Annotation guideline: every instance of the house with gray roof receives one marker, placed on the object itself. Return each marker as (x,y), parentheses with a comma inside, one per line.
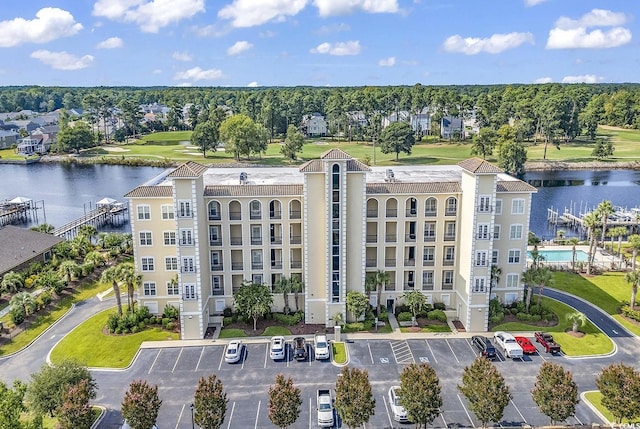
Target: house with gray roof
(20,247)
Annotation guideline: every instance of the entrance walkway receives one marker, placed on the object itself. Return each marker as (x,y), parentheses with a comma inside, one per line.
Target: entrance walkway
(393,322)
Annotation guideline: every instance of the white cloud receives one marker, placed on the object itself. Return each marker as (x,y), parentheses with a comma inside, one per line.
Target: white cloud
(346,7)
(149,15)
(195,74)
(182,56)
(249,13)
(209,31)
(49,24)
(333,28)
(574,33)
(529,3)
(387,62)
(110,43)
(239,47)
(253,84)
(543,80)
(351,47)
(585,78)
(62,60)
(156,71)
(492,45)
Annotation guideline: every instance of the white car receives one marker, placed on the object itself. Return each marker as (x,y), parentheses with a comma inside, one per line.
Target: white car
(508,344)
(276,351)
(399,413)
(322,347)
(234,351)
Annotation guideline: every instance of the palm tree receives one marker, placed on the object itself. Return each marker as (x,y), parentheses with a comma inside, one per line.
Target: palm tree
(382,278)
(88,231)
(619,231)
(95,257)
(127,274)
(111,275)
(530,278)
(43,227)
(605,208)
(591,220)
(496,272)
(370,285)
(577,319)
(25,301)
(573,241)
(297,287)
(633,278)
(544,278)
(68,270)
(11,282)
(283,286)
(634,242)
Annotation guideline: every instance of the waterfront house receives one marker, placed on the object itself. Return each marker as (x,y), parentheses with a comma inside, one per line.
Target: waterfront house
(20,247)
(8,139)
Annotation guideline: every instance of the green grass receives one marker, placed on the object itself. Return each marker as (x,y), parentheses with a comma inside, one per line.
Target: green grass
(593,343)
(43,322)
(231,333)
(339,352)
(595,397)
(89,345)
(606,291)
(271,331)
(167,136)
(634,329)
(49,422)
(431,328)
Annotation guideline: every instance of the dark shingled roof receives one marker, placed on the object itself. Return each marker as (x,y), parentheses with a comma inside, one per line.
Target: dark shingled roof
(151,192)
(514,186)
(479,166)
(19,245)
(189,169)
(252,190)
(413,188)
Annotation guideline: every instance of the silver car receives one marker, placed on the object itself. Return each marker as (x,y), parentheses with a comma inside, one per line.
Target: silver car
(276,351)
(399,413)
(234,351)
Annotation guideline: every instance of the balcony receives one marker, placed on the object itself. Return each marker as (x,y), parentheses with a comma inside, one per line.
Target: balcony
(277,265)
(235,215)
(276,240)
(372,238)
(427,286)
(449,237)
(296,264)
(429,237)
(410,237)
(275,214)
(411,213)
(295,214)
(235,241)
(390,238)
(237,265)
(372,213)
(451,212)
(371,263)
(256,265)
(295,239)
(430,213)
(448,262)
(392,212)
(256,240)
(215,242)
(389,262)
(409,286)
(390,287)
(409,262)
(253,215)
(218,291)
(215,216)
(217,267)
(447,286)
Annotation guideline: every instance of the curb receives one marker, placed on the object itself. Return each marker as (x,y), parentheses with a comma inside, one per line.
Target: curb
(346,351)
(593,408)
(103,412)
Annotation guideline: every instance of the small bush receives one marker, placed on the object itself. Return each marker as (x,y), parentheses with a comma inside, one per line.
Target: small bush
(288,319)
(353,327)
(17,315)
(171,312)
(227,320)
(437,315)
(227,312)
(525,317)
(405,316)
(536,318)
(384,316)
(401,308)
(170,326)
(439,306)
(496,318)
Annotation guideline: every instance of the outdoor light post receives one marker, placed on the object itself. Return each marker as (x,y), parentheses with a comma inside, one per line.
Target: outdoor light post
(193,424)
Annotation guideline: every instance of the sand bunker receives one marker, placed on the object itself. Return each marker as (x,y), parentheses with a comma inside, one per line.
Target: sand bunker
(114,149)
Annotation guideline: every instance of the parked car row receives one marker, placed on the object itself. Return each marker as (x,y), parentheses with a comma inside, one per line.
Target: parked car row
(278,349)
(513,347)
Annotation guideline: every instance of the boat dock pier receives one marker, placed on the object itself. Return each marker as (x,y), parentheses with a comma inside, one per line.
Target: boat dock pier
(629,218)
(18,210)
(106,211)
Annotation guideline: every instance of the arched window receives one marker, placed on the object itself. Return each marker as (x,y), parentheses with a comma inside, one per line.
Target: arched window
(431,207)
(255,210)
(452,206)
(214,210)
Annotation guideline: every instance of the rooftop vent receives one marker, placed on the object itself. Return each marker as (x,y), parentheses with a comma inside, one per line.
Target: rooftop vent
(389,176)
(243,178)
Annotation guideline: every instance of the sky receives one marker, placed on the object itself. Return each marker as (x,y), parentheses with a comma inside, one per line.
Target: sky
(261,43)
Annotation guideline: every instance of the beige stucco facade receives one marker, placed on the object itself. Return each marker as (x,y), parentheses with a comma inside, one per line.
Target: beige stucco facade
(201,232)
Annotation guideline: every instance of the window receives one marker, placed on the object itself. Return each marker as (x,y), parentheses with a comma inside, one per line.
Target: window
(214,235)
(447,279)
(188,265)
(169,238)
(173,288)
(256,259)
(449,254)
(496,232)
(515,232)
(429,231)
(478,285)
(216,285)
(215,259)
(485,204)
(167,212)
(147,264)
(257,279)
(494,257)
(427,280)
(256,234)
(144,212)
(449,230)
(513,280)
(189,292)
(483,231)
(145,238)
(514,256)
(429,255)
(171,263)
(431,207)
(214,210)
(186,237)
(481,258)
(498,207)
(517,206)
(255,210)
(149,288)
(184,208)
(335,232)
(452,206)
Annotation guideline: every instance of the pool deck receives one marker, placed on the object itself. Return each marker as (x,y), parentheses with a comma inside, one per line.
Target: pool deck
(602,258)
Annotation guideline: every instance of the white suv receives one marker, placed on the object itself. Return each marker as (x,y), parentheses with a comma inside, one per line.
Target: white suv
(276,351)
(322,347)
(399,413)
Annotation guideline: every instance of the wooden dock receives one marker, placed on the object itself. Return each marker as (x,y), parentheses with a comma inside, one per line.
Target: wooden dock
(567,219)
(17,212)
(97,217)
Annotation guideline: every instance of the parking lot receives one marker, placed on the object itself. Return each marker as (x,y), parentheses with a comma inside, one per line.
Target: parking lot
(177,370)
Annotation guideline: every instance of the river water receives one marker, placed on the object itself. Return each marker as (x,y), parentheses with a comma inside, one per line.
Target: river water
(68,190)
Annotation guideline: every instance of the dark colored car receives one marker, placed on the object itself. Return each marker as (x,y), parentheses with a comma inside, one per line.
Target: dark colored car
(299,348)
(484,346)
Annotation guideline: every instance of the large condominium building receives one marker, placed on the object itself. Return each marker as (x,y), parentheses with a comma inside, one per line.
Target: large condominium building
(200,232)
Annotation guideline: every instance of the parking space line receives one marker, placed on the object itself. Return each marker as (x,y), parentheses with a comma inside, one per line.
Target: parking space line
(443,420)
(402,352)
(384,401)
(154,361)
(521,416)
(432,355)
(286,353)
(450,348)
(370,354)
(199,359)
(539,354)
(257,414)
(244,355)
(266,356)
(576,417)
(180,416)
(465,410)
(310,413)
(233,407)
(471,346)
(178,359)
(224,352)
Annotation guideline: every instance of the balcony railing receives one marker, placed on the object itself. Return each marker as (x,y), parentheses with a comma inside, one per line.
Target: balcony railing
(430,213)
(276,265)
(450,212)
(428,262)
(256,265)
(219,291)
(372,213)
(389,262)
(237,265)
(449,237)
(235,215)
(215,242)
(411,213)
(447,286)
(429,237)
(390,238)
(409,262)
(409,286)
(392,212)
(256,240)
(217,267)
(255,215)
(371,262)
(295,214)
(215,216)
(448,262)
(276,240)
(296,264)
(410,237)
(390,286)
(427,286)
(295,239)
(235,241)
(372,238)
(275,214)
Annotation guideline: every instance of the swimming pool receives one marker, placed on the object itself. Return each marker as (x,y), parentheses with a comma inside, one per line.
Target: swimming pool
(561,255)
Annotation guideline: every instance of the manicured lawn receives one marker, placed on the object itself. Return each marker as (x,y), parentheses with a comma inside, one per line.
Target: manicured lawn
(339,352)
(606,291)
(431,328)
(231,333)
(167,136)
(49,422)
(271,331)
(595,342)
(89,345)
(595,397)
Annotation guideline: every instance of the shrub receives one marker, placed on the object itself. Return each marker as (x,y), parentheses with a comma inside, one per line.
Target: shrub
(170,326)
(496,318)
(171,312)
(439,306)
(227,312)
(143,313)
(401,308)
(536,318)
(227,320)
(17,315)
(384,316)
(288,319)
(112,322)
(405,316)
(437,315)
(630,313)
(525,317)
(353,327)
